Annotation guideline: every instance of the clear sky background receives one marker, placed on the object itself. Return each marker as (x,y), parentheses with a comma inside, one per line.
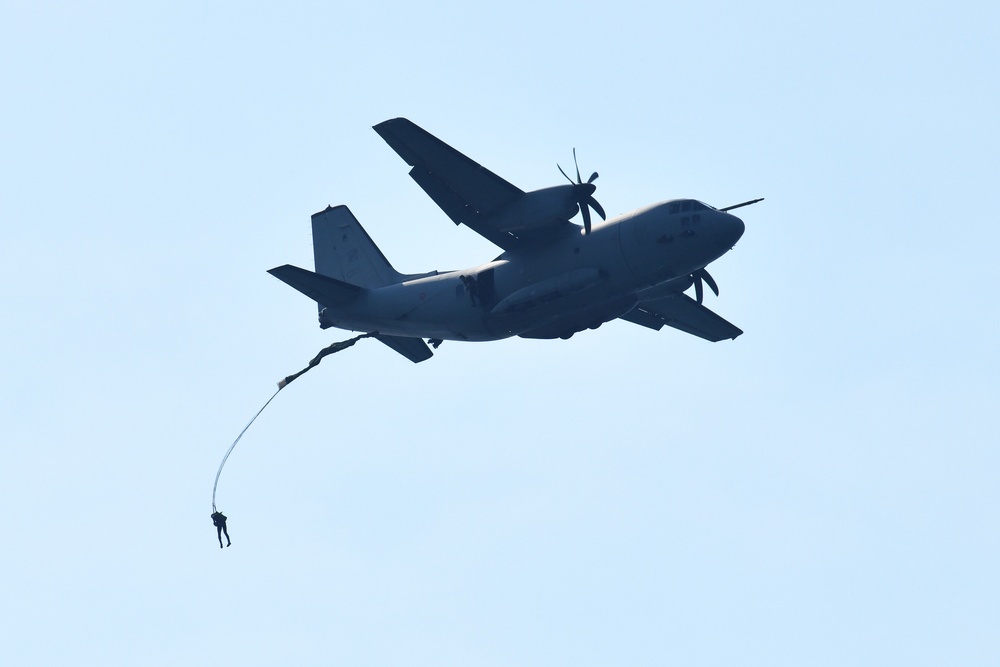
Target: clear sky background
(821,491)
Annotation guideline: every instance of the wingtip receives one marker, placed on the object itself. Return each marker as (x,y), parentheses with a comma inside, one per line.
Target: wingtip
(388,122)
(279,269)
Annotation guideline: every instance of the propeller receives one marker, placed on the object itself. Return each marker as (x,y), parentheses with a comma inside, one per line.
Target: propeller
(699,292)
(583,193)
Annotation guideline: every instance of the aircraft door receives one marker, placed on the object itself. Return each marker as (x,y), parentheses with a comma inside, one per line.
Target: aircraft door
(486,288)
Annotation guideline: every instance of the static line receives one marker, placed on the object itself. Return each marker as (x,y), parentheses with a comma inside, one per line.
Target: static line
(335,347)
(233,446)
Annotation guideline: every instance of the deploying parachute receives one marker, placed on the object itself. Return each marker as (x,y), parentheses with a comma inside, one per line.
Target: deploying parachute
(335,347)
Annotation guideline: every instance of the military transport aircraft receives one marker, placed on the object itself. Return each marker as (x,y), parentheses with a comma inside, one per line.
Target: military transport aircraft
(553,279)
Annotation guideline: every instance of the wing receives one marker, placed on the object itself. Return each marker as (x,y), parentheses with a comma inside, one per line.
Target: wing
(466,191)
(682,312)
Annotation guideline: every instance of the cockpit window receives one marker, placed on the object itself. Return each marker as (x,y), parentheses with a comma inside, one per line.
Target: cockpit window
(688,205)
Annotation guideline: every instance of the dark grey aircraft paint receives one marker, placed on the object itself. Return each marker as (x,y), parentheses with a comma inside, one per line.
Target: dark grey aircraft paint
(553,278)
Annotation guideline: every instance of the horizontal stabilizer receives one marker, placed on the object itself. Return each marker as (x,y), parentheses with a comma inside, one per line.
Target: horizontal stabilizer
(321,289)
(414,349)
(684,313)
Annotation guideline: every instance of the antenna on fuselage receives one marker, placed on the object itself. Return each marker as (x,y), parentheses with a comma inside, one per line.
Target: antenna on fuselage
(746,203)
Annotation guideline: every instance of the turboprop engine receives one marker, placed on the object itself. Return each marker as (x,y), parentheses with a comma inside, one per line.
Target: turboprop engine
(541,208)
(536,209)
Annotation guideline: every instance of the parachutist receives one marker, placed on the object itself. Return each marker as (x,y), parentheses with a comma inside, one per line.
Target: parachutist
(219,519)
(471,287)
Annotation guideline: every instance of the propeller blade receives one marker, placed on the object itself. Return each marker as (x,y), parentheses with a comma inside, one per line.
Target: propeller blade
(711,281)
(597,207)
(564,174)
(699,291)
(583,194)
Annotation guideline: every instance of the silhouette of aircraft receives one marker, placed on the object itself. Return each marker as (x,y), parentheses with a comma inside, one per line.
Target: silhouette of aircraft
(553,279)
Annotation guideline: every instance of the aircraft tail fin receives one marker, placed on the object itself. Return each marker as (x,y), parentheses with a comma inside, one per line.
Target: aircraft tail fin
(343,250)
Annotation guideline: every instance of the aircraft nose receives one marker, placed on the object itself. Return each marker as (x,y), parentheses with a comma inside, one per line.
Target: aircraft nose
(731,229)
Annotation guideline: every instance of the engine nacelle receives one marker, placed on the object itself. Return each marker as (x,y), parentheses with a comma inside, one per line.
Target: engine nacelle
(538,208)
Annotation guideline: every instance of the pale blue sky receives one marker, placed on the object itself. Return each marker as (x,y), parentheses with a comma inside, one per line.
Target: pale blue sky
(821,491)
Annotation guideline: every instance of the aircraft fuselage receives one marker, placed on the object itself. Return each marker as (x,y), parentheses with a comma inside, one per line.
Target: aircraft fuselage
(575,282)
